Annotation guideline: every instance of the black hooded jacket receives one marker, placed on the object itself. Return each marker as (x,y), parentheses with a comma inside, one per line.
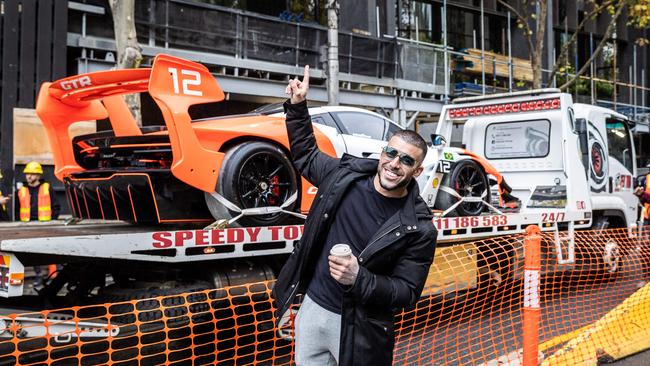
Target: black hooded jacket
(392,268)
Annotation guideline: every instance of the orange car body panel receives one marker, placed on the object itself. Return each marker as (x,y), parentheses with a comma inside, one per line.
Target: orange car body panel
(118,110)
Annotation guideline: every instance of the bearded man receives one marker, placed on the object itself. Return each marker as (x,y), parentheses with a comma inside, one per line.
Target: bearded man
(374,206)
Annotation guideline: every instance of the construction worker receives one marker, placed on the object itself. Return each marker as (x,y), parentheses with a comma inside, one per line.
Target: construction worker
(643,192)
(37,202)
(35,196)
(4,200)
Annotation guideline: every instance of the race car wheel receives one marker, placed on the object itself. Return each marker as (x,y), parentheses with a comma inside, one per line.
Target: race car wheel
(468,180)
(256,174)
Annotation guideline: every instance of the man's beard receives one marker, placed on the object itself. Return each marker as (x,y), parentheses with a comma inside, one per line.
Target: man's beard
(399,185)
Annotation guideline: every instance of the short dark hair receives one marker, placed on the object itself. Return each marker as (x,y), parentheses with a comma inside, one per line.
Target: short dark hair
(413,138)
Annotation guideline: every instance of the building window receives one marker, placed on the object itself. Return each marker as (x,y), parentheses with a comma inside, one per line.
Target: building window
(416,20)
(291,10)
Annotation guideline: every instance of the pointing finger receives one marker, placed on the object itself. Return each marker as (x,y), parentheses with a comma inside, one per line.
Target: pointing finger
(305,78)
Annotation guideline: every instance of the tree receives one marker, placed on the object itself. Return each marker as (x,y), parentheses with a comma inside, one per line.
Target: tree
(527,12)
(639,17)
(129,52)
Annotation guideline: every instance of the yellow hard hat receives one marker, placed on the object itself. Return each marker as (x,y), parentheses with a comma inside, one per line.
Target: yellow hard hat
(33,167)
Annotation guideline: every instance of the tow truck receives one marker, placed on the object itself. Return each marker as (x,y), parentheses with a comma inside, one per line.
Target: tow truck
(568,166)
(562,174)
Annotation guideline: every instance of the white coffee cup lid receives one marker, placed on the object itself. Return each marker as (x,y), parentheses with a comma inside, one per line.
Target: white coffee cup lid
(341,250)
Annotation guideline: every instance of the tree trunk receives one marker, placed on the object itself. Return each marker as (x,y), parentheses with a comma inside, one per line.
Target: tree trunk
(129,52)
(536,59)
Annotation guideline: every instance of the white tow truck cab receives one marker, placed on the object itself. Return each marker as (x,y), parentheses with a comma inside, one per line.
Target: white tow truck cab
(608,155)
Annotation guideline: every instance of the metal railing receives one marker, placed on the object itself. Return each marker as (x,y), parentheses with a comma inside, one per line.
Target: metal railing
(249,36)
(386,61)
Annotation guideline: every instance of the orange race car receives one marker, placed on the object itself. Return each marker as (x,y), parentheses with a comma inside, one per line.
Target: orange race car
(233,167)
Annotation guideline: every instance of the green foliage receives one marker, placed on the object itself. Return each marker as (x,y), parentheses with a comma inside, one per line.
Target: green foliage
(604,89)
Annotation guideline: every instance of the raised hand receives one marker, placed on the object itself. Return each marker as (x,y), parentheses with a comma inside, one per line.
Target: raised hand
(297,90)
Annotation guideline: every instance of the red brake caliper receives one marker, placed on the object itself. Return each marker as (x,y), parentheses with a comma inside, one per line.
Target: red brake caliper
(276,189)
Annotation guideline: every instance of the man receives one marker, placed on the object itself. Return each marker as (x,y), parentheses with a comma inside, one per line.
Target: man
(37,202)
(374,206)
(643,192)
(35,197)
(4,200)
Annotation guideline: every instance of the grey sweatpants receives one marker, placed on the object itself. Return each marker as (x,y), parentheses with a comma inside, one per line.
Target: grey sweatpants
(318,335)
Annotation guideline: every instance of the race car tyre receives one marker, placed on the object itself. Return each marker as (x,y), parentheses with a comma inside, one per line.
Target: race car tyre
(255,174)
(468,180)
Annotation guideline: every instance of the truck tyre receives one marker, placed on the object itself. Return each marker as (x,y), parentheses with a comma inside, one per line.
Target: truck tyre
(606,260)
(255,174)
(468,180)
(496,281)
(150,309)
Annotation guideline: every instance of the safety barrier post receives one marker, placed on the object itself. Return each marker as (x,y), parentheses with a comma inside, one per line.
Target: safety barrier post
(531,309)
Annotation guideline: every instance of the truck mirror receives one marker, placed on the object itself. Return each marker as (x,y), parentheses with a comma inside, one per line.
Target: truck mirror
(580,125)
(581,129)
(438,140)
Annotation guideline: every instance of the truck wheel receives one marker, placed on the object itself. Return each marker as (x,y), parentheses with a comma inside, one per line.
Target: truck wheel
(149,309)
(604,257)
(496,272)
(468,180)
(255,174)
(611,259)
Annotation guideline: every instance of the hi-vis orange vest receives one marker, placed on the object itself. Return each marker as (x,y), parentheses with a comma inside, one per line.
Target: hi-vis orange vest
(646,205)
(44,203)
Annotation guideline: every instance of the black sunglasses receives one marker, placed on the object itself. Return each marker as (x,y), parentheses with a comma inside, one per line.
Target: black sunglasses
(392,153)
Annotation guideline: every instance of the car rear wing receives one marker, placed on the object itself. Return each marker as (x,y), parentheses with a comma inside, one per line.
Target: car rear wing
(174,83)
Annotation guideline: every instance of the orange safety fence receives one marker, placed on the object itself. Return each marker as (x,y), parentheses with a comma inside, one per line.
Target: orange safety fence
(471,313)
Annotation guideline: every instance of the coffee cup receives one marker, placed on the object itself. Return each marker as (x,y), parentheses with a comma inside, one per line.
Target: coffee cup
(341,250)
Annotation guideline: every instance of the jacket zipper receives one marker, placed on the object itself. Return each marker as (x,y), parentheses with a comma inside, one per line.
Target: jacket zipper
(376,240)
(291,296)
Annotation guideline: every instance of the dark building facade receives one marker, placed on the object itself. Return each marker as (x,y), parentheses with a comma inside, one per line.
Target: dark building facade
(392,53)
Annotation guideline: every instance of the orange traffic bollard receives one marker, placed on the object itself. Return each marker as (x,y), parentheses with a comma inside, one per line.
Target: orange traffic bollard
(531,309)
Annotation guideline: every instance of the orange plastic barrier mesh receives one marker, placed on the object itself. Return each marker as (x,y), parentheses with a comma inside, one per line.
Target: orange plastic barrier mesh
(470,313)
(231,326)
